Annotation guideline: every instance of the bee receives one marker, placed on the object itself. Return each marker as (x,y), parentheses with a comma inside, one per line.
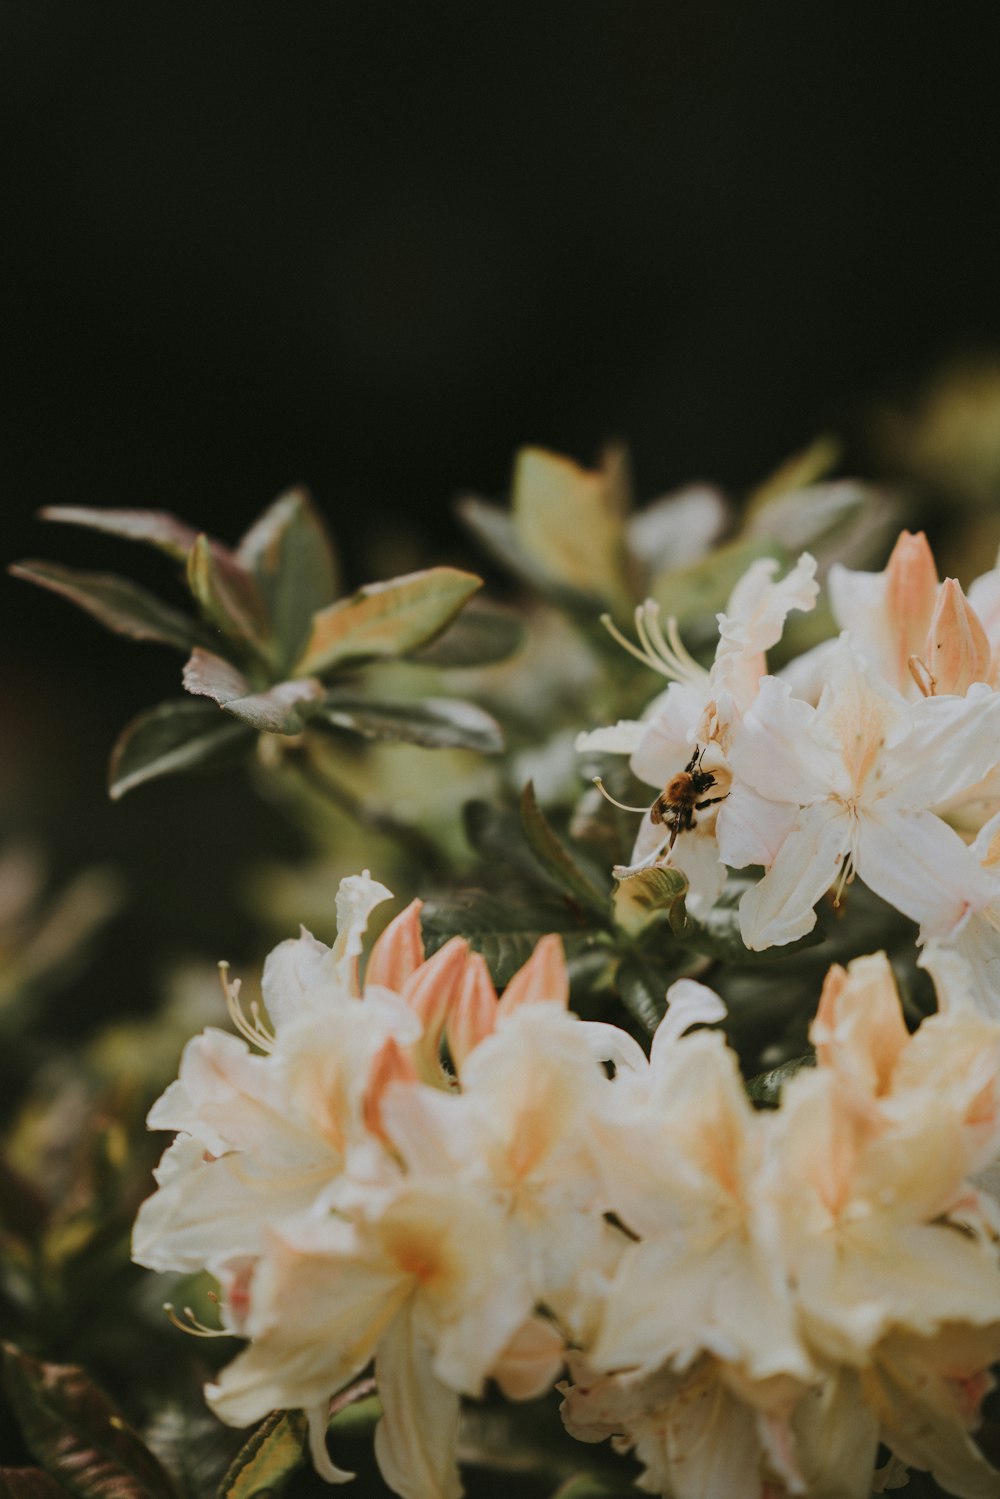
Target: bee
(680,799)
(683,796)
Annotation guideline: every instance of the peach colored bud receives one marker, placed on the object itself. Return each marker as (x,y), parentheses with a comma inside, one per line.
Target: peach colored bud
(859,1027)
(543,977)
(399,951)
(474,1014)
(910,590)
(956,652)
(431,993)
(391,1065)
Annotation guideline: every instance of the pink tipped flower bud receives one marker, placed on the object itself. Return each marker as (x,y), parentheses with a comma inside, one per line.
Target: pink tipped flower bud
(956,652)
(431,993)
(543,977)
(399,951)
(474,1015)
(911,587)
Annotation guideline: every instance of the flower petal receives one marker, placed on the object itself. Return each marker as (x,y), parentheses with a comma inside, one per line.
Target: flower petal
(951,744)
(921,866)
(780,908)
(415,1440)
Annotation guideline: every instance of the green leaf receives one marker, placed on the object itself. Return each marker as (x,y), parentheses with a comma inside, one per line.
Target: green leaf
(700,591)
(591,1486)
(227,594)
(764,1090)
(555,859)
(642,987)
(386,619)
(77,1435)
(117,603)
(504,932)
(797,471)
(268,1459)
(194,1447)
(289,551)
(156,528)
(175,736)
(435,722)
(480,636)
(29,1483)
(650,895)
(282,709)
(570,520)
(493,527)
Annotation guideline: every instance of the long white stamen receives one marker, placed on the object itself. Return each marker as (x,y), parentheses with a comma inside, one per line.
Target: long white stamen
(627,645)
(613,800)
(192,1326)
(846,876)
(666,655)
(253,1030)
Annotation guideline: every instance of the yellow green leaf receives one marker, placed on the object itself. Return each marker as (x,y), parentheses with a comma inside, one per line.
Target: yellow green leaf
(386,619)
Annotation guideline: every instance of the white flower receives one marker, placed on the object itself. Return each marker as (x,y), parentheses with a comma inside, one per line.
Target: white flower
(701,708)
(848,786)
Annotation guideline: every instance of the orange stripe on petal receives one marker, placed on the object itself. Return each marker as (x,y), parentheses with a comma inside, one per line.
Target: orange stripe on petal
(474,1015)
(391,1065)
(543,977)
(399,951)
(910,590)
(431,992)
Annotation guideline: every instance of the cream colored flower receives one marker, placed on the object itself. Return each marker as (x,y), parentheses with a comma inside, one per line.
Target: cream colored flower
(847,786)
(701,708)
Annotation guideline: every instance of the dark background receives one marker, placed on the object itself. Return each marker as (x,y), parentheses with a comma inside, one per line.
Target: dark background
(376,247)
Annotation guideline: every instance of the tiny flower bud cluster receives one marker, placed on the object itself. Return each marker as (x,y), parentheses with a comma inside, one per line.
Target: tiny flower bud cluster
(459,1187)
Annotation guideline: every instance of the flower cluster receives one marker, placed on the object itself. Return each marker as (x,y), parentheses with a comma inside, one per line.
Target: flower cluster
(463,1187)
(874,754)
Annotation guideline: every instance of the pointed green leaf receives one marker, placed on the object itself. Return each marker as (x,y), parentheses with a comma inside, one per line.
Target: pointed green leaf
(117,603)
(570,520)
(227,594)
(29,1483)
(435,722)
(504,932)
(700,591)
(386,619)
(494,529)
(480,636)
(642,988)
(764,1090)
(267,1460)
(77,1435)
(282,709)
(156,528)
(804,467)
(289,551)
(652,894)
(175,736)
(555,859)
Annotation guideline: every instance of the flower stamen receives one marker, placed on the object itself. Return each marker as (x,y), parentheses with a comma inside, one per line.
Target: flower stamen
(193,1327)
(614,800)
(667,655)
(253,1030)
